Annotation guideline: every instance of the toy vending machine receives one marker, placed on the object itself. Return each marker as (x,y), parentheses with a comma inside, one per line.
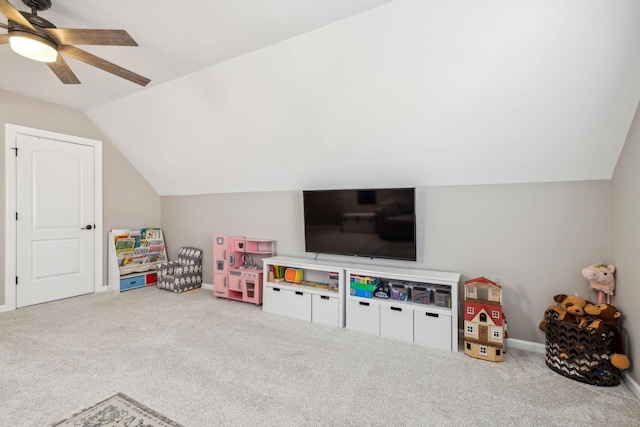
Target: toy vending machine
(224,258)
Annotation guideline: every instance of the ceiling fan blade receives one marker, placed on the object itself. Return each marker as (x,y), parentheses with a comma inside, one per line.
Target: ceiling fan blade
(62,70)
(91,37)
(4,38)
(14,14)
(107,66)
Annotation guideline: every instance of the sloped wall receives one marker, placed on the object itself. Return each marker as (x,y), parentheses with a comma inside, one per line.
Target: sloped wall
(128,200)
(412,92)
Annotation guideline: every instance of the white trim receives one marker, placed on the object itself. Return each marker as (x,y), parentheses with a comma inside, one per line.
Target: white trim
(631,384)
(11,133)
(207,286)
(525,345)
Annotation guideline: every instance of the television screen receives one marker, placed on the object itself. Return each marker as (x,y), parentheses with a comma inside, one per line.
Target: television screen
(373,223)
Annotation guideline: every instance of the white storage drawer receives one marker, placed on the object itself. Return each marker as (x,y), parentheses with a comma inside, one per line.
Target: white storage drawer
(432,329)
(274,300)
(287,302)
(363,316)
(299,305)
(325,309)
(396,321)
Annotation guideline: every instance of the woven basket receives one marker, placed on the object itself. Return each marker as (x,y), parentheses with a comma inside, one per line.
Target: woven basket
(578,353)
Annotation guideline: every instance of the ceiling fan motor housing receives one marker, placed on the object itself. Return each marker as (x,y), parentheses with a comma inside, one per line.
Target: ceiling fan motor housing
(37,5)
(33,20)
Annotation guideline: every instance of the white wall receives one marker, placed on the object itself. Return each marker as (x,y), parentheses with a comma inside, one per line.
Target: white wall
(625,249)
(533,238)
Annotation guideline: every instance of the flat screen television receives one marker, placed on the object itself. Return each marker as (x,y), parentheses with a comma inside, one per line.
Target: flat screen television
(372,223)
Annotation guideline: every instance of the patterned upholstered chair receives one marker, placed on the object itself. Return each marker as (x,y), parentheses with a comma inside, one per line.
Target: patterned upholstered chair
(184,274)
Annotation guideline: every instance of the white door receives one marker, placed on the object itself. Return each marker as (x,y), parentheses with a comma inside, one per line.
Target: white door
(55,228)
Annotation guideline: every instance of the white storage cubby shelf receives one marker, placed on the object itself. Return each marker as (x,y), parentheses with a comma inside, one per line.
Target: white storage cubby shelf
(303,300)
(425,324)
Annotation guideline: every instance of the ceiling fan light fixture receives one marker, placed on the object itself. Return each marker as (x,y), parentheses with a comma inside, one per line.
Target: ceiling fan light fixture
(33,46)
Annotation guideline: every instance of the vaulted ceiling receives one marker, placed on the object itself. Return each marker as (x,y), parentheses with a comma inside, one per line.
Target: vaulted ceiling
(175,38)
(258,95)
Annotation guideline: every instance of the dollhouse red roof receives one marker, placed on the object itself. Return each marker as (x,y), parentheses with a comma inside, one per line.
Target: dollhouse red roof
(488,308)
(482,279)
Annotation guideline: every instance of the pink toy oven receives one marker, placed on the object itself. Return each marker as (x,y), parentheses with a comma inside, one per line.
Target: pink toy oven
(235,273)
(252,285)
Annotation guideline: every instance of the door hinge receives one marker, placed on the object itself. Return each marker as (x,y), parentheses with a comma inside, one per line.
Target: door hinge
(15,148)
(16,216)
(16,280)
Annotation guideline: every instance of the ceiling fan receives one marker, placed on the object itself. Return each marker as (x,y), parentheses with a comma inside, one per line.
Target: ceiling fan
(36,38)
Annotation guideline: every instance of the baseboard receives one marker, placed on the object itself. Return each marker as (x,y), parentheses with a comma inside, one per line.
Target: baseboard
(525,345)
(207,286)
(631,384)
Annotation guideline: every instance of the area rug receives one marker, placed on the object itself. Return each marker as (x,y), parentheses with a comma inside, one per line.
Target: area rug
(116,411)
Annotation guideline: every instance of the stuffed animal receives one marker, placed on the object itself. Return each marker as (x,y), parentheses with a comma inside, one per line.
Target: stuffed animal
(608,315)
(600,277)
(570,309)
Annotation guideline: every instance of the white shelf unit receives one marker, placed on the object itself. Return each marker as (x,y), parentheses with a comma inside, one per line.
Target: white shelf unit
(302,301)
(427,325)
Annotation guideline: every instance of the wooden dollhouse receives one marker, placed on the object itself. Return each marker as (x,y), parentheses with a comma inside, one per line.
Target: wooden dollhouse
(484,321)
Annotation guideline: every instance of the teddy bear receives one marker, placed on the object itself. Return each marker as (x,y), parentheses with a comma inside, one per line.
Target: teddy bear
(570,309)
(604,315)
(601,279)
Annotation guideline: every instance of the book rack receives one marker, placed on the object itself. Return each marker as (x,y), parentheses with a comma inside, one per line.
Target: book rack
(133,257)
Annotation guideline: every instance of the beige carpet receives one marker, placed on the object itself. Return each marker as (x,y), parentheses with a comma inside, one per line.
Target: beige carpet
(203,361)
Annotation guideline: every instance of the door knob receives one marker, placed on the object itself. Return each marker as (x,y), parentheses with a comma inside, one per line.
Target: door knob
(88,227)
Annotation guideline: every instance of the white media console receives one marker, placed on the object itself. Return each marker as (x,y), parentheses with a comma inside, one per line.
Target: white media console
(324,295)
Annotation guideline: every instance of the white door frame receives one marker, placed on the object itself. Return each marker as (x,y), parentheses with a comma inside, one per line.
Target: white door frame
(11,133)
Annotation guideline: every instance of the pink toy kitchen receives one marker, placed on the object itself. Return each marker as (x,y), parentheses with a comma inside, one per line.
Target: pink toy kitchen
(237,267)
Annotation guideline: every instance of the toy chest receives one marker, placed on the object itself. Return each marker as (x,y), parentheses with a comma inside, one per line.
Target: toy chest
(578,353)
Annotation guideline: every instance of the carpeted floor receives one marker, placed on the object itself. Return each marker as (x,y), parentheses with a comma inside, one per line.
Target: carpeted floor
(203,361)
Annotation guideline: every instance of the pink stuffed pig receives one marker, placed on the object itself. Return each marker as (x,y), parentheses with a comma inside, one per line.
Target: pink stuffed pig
(600,277)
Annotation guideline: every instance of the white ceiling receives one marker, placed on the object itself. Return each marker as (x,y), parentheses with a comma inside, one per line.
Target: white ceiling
(286,95)
(175,38)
